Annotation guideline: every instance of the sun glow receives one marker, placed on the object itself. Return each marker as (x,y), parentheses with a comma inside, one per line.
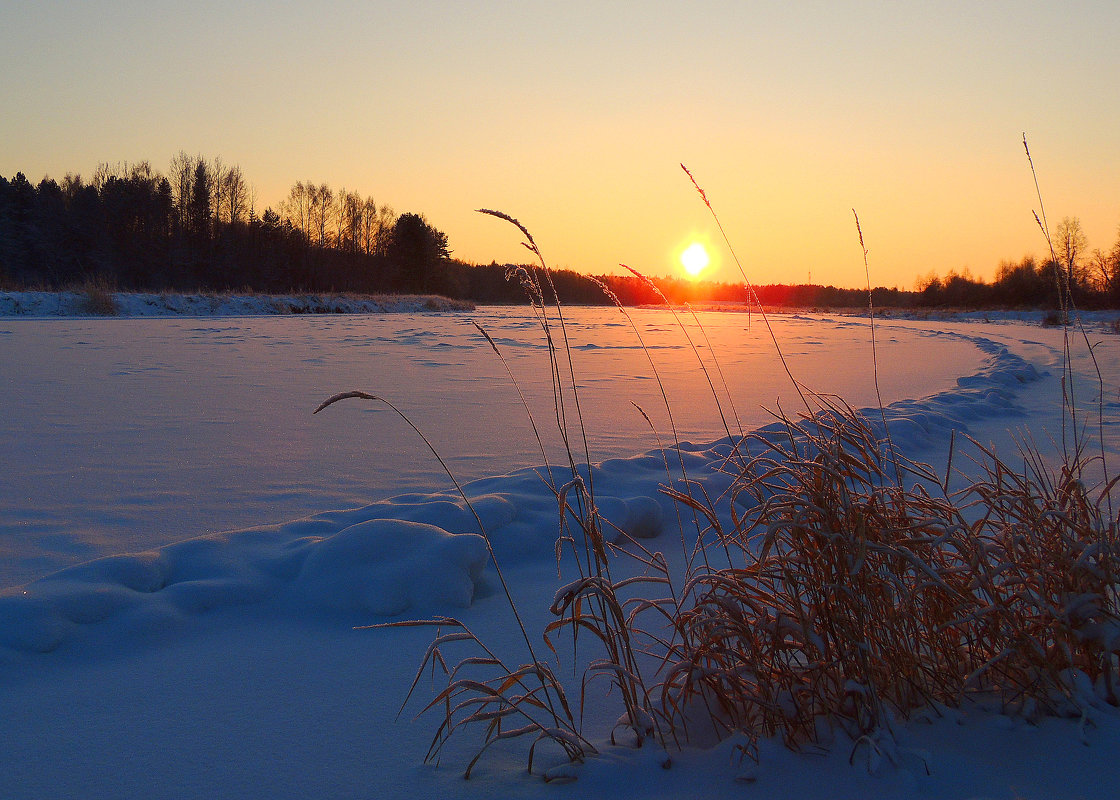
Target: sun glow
(695,259)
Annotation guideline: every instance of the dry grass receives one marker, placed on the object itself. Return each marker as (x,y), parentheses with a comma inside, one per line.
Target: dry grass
(505,703)
(98,297)
(857,600)
(1048,618)
(836,586)
(820,594)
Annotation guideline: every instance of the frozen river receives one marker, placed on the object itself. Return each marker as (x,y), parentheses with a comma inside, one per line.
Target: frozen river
(125,434)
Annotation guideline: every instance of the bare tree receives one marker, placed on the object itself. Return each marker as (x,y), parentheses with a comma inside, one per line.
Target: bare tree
(383,237)
(354,210)
(368,226)
(1100,270)
(217,174)
(71,185)
(296,208)
(338,213)
(322,212)
(347,207)
(1070,244)
(122,171)
(235,196)
(181,176)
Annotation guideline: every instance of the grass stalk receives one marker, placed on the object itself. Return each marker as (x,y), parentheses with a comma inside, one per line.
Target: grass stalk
(750,289)
(535,661)
(847,599)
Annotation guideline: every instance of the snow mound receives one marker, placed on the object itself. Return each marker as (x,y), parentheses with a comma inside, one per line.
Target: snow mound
(382,567)
(917,425)
(635,517)
(387,567)
(416,553)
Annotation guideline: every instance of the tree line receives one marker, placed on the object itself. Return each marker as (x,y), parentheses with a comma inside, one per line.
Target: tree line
(196,228)
(1073,275)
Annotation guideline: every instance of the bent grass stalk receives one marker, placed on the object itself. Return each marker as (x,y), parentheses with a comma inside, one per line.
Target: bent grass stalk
(874,349)
(664,399)
(848,599)
(750,288)
(563,729)
(1065,299)
(538,296)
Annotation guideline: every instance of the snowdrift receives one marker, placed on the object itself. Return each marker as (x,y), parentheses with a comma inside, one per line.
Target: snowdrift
(421,554)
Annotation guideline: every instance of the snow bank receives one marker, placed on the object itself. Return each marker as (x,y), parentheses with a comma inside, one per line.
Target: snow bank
(139,304)
(424,553)
(380,566)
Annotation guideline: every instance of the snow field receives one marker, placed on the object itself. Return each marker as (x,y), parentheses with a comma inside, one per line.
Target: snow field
(227,665)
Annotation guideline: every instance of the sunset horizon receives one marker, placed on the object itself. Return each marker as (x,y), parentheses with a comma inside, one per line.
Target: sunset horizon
(596,399)
(575,119)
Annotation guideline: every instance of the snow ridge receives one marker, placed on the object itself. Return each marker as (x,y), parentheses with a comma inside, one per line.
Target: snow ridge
(420,553)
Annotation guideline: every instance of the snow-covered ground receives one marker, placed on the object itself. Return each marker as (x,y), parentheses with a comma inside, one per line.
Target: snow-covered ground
(127,434)
(229,665)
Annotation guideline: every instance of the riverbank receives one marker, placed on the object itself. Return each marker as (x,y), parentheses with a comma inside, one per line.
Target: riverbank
(97,302)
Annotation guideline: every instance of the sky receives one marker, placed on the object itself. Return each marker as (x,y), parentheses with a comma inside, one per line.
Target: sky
(574,117)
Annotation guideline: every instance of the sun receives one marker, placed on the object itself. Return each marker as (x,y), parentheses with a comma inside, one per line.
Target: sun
(695,259)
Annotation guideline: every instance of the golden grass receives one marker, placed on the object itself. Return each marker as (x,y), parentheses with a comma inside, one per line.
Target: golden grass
(856,600)
(836,586)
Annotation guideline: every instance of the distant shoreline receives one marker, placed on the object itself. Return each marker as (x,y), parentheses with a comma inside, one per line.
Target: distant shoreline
(102,303)
(94,302)
(1110,319)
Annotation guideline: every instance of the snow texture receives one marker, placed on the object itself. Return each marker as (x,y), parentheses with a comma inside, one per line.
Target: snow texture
(227,665)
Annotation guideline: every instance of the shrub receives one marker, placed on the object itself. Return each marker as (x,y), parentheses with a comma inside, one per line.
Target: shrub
(98,298)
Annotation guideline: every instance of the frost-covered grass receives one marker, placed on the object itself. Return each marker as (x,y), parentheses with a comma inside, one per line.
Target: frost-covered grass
(852,600)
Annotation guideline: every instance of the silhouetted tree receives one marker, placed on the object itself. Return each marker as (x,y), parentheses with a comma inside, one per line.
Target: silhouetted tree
(322,204)
(234,207)
(296,207)
(200,202)
(1069,245)
(196,227)
(181,178)
(1114,271)
(1022,284)
(417,250)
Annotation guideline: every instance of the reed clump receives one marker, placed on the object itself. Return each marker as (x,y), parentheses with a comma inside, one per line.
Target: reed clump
(97,297)
(855,600)
(833,588)
(1048,576)
(838,603)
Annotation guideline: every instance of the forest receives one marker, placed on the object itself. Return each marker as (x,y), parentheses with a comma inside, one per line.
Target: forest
(196,228)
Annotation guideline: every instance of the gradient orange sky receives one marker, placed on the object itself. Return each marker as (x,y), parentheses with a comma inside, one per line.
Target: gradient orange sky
(573,117)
